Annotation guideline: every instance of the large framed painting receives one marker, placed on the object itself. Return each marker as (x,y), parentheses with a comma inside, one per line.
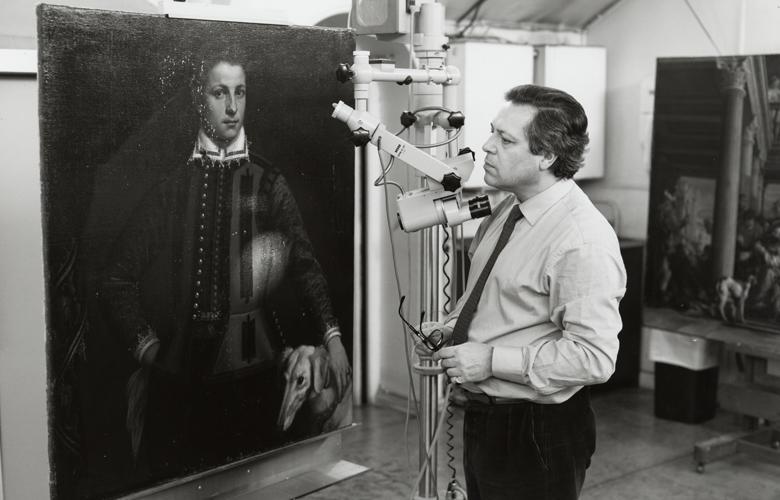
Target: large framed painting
(714,225)
(198,238)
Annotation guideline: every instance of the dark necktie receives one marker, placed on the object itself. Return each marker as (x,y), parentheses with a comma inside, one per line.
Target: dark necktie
(460,332)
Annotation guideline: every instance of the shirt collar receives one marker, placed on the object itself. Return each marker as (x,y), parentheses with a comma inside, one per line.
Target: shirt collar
(534,207)
(235,150)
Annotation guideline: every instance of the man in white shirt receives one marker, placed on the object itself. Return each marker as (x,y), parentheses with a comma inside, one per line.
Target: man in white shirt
(539,318)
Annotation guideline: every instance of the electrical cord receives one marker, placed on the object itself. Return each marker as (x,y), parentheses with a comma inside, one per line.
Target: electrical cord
(398,290)
(434,442)
(409,353)
(475,8)
(447,415)
(450,440)
(446,286)
(446,307)
(382,181)
(469,10)
(408,350)
(441,143)
(433,346)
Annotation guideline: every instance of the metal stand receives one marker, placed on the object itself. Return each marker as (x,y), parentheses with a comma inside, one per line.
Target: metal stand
(433,85)
(764,443)
(429,372)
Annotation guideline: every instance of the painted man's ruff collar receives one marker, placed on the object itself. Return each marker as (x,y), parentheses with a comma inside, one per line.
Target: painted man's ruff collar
(236,150)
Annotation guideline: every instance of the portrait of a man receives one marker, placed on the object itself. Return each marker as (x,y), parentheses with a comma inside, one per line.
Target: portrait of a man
(209,287)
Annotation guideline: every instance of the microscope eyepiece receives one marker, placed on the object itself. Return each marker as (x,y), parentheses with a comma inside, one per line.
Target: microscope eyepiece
(479,206)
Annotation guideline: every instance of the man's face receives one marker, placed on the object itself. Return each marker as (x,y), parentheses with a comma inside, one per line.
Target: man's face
(509,163)
(224,102)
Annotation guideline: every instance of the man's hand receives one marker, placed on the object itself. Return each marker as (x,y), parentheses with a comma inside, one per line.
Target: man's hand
(320,369)
(436,332)
(340,364)
(469,362)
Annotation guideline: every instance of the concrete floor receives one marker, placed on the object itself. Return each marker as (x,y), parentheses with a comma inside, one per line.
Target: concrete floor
(638,457)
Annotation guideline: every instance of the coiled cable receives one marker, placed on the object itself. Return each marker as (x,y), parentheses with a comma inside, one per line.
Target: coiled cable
(446,307)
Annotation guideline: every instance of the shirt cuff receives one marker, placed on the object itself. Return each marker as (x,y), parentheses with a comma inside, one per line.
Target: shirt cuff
(144,342)
(331,334)
(510,363)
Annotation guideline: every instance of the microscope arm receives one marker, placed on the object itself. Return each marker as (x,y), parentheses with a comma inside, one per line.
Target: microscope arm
(366,128)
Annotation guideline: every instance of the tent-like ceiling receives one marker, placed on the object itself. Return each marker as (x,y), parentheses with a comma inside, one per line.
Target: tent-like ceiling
(563,13)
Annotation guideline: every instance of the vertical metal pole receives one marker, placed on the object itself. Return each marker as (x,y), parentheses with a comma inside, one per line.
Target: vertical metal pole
(429,382)
(433,250)
(427,369)
(429,47)
(361,92)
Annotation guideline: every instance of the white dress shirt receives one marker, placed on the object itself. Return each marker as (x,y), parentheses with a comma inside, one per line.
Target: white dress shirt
(550,304)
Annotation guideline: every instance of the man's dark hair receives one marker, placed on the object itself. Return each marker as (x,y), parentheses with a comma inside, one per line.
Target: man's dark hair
(559,126)
(211,56)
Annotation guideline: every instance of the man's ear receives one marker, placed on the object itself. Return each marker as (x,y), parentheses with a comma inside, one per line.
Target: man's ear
(547,161)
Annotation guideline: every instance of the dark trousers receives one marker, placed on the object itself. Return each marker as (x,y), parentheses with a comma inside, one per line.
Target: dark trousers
(528,451)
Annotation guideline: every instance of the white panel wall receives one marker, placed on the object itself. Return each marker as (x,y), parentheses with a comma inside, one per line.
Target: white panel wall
(488,71)
(635,34)
(582,72)
(23,424)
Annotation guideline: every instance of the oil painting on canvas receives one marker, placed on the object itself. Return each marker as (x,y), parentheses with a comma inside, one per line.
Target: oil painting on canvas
(198,238)
(714,226)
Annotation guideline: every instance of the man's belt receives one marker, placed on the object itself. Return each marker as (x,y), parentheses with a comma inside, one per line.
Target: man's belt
(482,398)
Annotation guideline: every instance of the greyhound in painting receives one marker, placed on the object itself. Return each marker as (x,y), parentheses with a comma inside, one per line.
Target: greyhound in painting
(732,295)
(309,383)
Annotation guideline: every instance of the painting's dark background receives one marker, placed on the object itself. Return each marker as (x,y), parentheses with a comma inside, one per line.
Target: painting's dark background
(115,112)
(687,147)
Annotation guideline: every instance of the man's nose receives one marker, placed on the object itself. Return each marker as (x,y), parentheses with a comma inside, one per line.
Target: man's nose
(488,146)
(230,105)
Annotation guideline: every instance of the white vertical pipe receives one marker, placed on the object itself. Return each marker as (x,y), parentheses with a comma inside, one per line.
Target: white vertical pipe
(373,302)
(430,54)
(361,104)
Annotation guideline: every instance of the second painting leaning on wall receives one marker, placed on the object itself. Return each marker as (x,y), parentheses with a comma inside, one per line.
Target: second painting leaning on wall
(714,226)
(198,222)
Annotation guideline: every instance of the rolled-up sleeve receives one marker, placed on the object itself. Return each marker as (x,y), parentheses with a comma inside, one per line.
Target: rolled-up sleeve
(586,284)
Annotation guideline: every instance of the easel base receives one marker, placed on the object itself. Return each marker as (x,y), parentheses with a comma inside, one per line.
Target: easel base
(764,443)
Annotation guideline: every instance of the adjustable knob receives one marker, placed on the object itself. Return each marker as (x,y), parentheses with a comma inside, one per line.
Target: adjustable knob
(343,73)
(450,182)
(408,118)
(360,137)
(406,81)
(456,119)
